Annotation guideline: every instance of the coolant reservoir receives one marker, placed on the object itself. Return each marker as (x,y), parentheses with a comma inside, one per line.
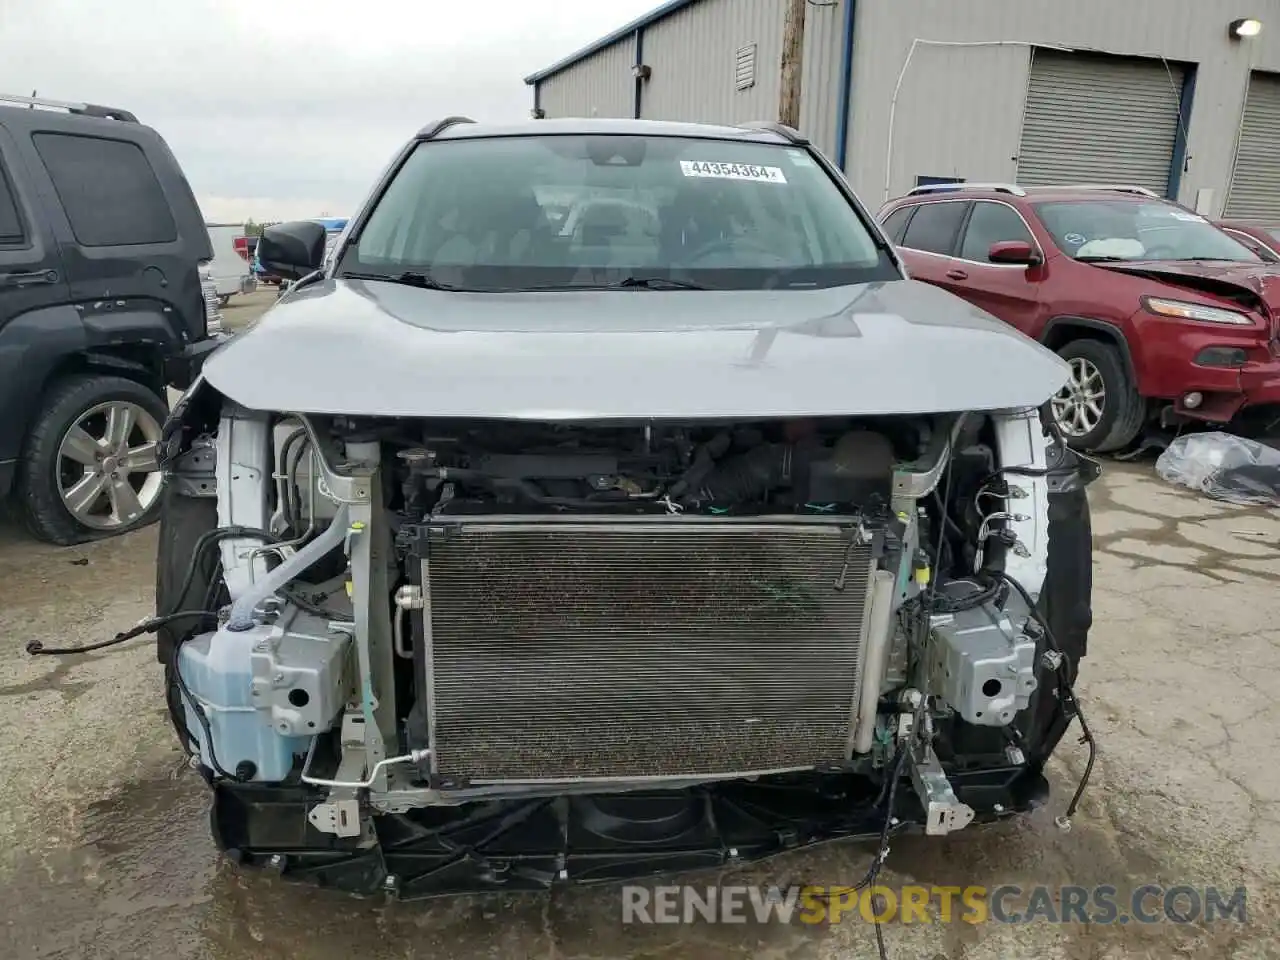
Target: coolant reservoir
(217,669)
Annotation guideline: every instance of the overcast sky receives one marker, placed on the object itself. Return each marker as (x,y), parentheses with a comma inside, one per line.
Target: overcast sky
(281,109)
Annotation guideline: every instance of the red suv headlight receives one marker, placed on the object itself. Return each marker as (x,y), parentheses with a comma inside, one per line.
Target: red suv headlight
(1181,310)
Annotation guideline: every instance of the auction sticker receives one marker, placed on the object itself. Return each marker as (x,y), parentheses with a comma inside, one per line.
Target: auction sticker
(732,171)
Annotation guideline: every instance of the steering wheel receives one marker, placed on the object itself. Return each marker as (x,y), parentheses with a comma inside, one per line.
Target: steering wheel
(725,244)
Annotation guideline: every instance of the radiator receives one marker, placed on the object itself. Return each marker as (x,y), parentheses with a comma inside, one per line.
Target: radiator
(655,648)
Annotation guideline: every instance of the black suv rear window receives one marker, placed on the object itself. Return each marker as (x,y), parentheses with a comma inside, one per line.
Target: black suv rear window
(10,221)
(108,190)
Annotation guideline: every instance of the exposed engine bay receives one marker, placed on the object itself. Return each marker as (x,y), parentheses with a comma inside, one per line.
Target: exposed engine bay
(511,652)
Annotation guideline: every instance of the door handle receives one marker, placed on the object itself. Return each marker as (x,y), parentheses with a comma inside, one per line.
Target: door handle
(957,275)
(21,279)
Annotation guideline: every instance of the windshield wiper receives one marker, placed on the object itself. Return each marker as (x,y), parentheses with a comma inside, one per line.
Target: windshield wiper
(1105,259)
(658,283)
(626,283)
(409,279)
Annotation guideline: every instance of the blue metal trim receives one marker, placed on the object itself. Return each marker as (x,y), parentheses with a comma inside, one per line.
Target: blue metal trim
(653,16)
(1178,164)
(846,83)
(639,62)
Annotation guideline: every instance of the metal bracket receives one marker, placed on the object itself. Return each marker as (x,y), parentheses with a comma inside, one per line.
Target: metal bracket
(944,813)
(192,472)
(338,817)
(340,814)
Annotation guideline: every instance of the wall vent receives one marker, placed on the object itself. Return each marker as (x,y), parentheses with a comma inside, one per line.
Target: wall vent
(744,73)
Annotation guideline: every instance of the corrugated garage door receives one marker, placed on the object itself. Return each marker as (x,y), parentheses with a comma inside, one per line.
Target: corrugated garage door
(1255,183)
(1099,119)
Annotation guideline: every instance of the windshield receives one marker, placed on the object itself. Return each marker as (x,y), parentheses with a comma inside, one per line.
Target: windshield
(510,213)
(1125,230)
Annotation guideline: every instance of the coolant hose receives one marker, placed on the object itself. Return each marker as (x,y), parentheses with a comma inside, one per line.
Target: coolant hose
(749,476)
(242,609)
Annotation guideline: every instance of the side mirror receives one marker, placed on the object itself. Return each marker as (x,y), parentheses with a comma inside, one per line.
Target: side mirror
(1013,251)
(292,250)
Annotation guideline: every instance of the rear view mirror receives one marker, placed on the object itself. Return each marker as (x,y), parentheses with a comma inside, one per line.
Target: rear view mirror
(292,250)
(1013,251)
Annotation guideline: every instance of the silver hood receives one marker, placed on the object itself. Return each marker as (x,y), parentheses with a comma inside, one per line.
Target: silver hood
(382,349)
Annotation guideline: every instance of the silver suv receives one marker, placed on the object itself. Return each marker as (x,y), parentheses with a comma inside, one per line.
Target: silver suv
(500,554)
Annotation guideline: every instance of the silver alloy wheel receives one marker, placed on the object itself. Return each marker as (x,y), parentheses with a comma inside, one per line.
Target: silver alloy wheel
(1079,404)
(108,474)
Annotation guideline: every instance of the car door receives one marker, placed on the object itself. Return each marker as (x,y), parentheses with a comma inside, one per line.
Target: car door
(1009,291)
(31,274)
(929,242)
(33,286)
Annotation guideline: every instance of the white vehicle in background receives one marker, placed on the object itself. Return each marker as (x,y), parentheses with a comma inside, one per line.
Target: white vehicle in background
(230,272)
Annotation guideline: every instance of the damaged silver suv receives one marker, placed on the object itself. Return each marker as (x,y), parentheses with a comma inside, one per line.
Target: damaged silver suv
(611,503)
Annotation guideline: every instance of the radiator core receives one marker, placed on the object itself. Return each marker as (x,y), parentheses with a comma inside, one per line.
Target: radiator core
(656,648)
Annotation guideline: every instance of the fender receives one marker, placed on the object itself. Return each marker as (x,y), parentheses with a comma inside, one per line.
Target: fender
(1052,337)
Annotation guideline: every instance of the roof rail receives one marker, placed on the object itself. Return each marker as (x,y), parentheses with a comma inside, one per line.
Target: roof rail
(82,109)
(1011,188)
(781,129)
(1112,187)
(439,126)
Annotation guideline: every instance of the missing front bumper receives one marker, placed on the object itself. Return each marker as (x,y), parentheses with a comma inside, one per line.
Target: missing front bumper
(531,845)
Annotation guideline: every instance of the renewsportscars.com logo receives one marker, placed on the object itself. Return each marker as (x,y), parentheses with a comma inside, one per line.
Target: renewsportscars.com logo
(1010,904)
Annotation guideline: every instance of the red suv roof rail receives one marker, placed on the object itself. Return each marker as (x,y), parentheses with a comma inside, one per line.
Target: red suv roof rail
(1011,188)
(1112,187)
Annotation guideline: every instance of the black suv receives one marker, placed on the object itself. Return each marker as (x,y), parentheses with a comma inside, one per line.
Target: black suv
(101,306)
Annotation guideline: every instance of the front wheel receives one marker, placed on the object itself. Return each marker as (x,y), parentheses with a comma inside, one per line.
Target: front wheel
(1098,409)
(90,468)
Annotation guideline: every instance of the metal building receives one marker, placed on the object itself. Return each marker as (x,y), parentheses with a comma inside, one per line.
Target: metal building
(1161,93)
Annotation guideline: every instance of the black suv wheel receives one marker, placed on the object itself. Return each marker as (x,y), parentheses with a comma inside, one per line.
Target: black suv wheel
(1099,408)
(89,468)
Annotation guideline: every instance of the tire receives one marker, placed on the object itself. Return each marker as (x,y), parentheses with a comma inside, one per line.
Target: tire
(183,521)
(224,299)
(39,491)
(1123,411)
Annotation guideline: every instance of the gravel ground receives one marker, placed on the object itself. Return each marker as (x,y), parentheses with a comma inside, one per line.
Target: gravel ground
(105,853)
(243,311)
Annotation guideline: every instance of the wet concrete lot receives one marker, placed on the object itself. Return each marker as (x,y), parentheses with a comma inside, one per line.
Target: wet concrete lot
(105,852)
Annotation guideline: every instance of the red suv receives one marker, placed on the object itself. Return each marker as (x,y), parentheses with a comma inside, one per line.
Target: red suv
(1158,312)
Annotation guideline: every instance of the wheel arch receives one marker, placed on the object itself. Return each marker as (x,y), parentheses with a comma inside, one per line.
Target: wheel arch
(141,363)
(44,346)
(129,362)
(1060,331)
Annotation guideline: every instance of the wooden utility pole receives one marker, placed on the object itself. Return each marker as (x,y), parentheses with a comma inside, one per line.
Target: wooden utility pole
(792,63)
